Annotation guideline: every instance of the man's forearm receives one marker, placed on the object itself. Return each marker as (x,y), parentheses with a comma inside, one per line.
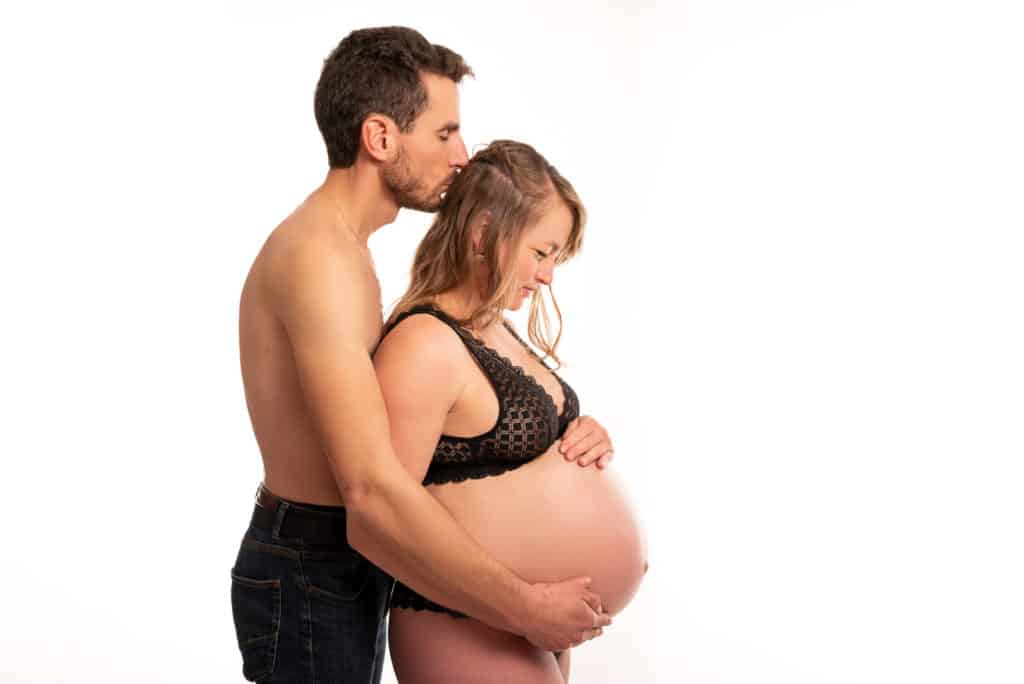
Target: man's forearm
(402,529)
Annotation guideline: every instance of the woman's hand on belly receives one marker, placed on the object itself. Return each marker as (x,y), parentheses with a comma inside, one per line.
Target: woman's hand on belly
(586,441)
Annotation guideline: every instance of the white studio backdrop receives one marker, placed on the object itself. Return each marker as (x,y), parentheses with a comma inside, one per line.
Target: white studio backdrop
(798,311)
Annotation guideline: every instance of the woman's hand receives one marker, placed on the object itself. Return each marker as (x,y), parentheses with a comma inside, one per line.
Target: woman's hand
(586,442)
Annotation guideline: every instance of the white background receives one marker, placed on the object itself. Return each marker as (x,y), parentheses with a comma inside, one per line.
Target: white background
(798,311)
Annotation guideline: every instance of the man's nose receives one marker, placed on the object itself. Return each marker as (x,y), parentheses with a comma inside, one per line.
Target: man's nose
(460,158)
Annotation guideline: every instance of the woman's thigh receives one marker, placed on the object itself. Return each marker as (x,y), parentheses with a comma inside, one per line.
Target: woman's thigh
(435,648)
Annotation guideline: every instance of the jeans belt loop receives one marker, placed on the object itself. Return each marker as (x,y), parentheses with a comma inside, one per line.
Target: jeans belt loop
(282,509)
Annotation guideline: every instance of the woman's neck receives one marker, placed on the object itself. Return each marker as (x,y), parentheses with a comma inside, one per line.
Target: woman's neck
(460,303)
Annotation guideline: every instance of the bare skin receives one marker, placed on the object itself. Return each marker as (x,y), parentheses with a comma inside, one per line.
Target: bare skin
(563,659)
(432,386)
(310,317)
(472,653)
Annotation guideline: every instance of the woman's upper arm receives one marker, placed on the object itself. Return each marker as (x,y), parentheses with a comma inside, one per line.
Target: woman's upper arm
(420,367)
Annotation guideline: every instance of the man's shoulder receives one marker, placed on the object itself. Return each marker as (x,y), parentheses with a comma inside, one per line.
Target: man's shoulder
(311,273)
(301,252)
(302,239)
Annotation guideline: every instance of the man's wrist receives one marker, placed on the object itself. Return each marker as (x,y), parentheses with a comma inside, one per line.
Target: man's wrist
(520,615)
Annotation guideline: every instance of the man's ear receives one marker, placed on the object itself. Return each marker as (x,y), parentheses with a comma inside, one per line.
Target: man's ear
(379,137)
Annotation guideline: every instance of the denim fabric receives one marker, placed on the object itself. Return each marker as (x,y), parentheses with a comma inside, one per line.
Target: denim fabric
(308,613)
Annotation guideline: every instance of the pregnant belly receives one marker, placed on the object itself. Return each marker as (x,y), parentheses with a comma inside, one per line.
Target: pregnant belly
(551,520)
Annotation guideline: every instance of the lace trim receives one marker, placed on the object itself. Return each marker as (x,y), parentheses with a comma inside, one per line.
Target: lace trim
(519,370)
(570,402)
(447,473)
(404,597)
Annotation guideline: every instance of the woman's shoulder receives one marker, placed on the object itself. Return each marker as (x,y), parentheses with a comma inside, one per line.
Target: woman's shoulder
(421,364)
(420,337)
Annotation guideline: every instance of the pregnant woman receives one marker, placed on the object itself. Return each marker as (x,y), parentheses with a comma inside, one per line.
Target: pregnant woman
(474,410)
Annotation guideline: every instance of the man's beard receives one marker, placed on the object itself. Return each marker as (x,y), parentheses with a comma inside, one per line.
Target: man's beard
(409,192)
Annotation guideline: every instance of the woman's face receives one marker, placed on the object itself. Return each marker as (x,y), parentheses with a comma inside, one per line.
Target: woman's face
(535,260)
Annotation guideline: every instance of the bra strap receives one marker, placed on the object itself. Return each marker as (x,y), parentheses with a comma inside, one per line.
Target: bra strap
(467,339)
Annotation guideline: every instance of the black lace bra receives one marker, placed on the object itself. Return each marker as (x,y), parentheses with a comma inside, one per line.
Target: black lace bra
(528,421)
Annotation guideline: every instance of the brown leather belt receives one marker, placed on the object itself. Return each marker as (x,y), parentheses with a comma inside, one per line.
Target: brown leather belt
(311,524)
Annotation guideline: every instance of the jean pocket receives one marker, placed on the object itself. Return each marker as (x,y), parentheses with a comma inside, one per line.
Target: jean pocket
(336,578)
(256,606)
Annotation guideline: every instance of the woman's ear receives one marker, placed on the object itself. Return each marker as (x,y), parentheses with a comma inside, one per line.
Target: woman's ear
(478,233)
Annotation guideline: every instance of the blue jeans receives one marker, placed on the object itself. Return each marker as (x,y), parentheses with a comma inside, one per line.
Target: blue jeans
(308,612)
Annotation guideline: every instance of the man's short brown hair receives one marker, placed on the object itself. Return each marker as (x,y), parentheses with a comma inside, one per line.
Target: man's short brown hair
(376,70)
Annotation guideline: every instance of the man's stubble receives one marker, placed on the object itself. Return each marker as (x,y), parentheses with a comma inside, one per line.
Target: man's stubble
(408,190)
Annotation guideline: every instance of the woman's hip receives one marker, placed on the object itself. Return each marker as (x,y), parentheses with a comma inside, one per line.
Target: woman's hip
(430,647)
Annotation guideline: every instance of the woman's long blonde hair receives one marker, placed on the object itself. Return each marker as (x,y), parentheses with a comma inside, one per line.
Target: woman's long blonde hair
(502,191)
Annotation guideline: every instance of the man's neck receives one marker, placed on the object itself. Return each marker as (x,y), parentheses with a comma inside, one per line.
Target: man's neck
(357,200)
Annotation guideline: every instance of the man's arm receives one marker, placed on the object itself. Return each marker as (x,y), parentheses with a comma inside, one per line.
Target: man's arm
(320,298)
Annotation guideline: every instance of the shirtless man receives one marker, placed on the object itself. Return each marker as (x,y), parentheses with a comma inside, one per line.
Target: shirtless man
(307,604)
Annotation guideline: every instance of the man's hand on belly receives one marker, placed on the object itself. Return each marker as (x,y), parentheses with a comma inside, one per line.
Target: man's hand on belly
(586,441)
(564,614)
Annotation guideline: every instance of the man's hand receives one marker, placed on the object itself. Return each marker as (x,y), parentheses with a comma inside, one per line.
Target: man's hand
(564,614)
(586,442)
